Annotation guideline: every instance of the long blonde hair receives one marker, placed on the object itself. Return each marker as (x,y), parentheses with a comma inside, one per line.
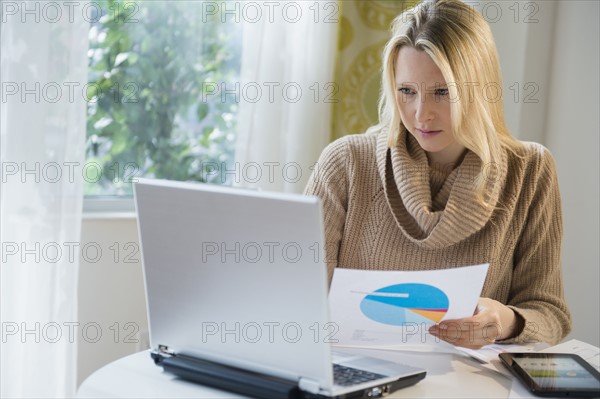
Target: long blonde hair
(460,43)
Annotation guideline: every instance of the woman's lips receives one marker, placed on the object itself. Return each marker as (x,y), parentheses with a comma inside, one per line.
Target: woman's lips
(428,133)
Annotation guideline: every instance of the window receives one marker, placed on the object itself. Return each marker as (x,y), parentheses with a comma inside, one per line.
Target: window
(154,69)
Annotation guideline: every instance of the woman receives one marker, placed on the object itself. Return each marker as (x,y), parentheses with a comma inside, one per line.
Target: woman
(441,183)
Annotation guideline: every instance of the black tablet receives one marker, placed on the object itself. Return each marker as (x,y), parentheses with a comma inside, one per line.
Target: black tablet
(554,374)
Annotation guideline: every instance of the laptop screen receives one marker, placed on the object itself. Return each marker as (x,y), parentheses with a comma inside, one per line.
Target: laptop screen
(236,276)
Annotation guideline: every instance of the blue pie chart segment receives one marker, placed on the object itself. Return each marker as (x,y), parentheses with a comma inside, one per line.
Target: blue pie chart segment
(405,303)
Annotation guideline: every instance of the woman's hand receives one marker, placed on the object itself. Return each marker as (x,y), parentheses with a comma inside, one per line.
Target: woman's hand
(491,322)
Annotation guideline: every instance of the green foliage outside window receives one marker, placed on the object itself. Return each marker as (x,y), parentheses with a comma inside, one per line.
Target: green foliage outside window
(150,66)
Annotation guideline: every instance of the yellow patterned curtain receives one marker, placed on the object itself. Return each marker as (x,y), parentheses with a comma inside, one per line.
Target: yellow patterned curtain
(364,28)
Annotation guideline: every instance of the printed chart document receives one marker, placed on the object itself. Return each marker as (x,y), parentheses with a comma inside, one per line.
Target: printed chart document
(394,309)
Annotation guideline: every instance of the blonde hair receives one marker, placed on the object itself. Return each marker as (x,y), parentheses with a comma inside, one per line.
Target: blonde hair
(460,43)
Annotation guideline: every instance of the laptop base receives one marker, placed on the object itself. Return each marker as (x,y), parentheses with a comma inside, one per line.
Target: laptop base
(258,385)
(227,378)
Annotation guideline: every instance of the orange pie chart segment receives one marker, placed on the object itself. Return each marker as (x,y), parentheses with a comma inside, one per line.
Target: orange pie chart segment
(433,315)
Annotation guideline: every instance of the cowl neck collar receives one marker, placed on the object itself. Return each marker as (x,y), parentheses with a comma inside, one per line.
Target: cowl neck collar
(405,174)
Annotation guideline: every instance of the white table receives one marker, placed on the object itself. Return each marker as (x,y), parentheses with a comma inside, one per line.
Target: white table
(448,375)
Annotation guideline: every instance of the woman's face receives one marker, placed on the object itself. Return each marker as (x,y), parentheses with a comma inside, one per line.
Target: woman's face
(424,106)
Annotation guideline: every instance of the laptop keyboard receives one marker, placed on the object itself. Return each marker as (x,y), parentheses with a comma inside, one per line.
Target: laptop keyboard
(346,376)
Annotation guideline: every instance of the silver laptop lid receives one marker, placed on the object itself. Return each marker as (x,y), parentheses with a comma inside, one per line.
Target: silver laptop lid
(236,276)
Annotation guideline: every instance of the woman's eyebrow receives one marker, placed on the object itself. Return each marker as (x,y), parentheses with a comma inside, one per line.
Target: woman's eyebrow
(435,86)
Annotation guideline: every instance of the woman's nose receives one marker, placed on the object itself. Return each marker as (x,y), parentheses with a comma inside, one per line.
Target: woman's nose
(425,109)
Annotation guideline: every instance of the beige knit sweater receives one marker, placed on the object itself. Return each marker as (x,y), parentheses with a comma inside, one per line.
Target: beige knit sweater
(387,209)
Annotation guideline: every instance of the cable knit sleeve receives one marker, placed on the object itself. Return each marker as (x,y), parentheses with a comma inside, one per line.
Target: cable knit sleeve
(537,286)
(329,182)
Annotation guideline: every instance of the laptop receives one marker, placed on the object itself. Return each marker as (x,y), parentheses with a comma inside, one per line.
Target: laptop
(236,287)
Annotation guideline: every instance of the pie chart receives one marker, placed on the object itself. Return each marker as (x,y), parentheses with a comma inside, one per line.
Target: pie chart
(400,304)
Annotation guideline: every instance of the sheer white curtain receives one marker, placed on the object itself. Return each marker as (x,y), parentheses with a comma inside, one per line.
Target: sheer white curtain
(288,59)
(42,133)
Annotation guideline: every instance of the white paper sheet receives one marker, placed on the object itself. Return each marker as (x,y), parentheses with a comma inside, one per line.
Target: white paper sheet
(488,355)
(588,352)
(391,308)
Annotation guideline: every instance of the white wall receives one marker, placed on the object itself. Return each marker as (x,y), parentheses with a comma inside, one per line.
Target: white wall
(572,132)
(559,54)
(111,293)
(522,33)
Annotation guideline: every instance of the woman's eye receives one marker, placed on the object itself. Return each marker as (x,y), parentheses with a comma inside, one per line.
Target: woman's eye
(441,92)
(405,90)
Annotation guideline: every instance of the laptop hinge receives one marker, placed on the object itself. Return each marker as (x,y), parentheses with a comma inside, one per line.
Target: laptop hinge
(164,349)
(308,385)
